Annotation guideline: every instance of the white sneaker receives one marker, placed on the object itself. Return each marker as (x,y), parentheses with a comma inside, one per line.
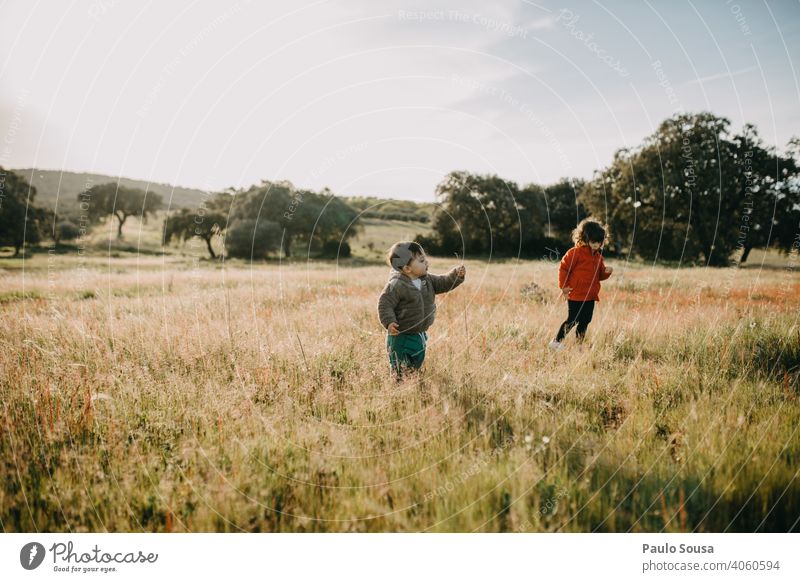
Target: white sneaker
(554,345)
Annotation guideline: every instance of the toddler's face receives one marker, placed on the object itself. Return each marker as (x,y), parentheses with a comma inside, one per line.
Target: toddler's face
(417,267)
(595,245)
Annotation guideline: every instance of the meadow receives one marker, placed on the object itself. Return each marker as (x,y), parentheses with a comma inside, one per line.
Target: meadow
(146,392)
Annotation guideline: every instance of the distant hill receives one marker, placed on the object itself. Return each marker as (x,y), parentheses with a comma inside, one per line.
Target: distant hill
(390,209)
(52,185)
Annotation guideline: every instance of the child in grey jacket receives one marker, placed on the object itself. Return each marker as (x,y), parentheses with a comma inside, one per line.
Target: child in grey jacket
(407,305)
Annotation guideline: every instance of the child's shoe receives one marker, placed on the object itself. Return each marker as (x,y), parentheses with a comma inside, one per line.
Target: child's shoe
(554,345)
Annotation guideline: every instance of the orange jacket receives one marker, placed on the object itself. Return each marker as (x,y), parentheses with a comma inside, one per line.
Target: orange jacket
(582,269)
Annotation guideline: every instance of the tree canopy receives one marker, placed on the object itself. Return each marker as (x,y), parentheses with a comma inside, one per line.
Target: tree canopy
(484,214)
(21,222)
(119,201)
(693,191)
(308,219)
(206,222)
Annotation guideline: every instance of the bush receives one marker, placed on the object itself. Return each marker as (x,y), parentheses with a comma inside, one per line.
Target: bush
(250,239)
(67,230)
(335,250)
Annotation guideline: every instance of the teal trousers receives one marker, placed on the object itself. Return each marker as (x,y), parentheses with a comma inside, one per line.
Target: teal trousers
(406,351)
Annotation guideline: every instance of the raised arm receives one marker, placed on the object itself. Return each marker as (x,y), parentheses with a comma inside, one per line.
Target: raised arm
(445,283)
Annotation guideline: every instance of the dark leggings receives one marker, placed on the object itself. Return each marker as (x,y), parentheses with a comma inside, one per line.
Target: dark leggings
(580,312)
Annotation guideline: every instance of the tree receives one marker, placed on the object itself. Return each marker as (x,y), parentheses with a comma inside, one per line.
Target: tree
(120,201)
(486,215)
(692,190)
(333,221)
(207,222)
(769,186)
(563,209)
(251,239)
(306,217)
(20,221)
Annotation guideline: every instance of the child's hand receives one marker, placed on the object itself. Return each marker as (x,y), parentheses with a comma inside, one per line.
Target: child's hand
(565,292)
(393,328)
(609,270)
(461,271)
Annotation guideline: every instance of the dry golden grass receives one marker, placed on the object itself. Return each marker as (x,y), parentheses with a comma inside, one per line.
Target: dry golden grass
(146,393)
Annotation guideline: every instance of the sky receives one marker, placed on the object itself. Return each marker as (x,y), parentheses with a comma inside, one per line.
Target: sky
(379,98)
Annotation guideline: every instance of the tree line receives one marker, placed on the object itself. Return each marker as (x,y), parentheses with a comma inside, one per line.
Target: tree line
(272,217)
(249,223)
(23,222)
(692,191)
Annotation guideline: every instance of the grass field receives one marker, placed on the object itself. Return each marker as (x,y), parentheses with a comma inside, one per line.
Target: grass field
(164,393)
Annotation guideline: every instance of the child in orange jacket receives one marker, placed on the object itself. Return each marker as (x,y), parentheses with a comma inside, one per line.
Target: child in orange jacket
(579,277)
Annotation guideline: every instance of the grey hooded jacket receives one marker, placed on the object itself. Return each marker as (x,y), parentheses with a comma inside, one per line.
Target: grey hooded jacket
(413,310)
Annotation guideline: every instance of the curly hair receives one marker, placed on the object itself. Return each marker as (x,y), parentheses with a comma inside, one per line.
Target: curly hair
(589,231)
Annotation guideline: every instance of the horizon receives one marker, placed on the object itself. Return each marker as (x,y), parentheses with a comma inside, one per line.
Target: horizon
(379,99)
